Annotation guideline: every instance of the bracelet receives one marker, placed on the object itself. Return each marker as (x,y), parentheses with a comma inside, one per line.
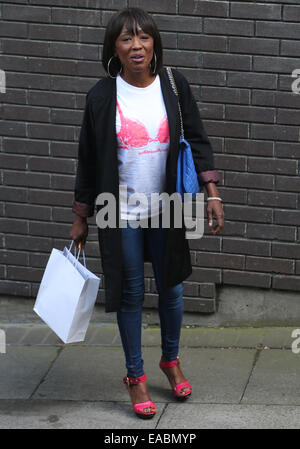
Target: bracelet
(214,198)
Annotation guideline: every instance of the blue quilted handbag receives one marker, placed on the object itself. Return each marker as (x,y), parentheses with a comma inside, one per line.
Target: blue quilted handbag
(187,179)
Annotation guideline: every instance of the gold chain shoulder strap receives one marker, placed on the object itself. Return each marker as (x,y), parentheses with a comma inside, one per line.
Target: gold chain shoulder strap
(174,87)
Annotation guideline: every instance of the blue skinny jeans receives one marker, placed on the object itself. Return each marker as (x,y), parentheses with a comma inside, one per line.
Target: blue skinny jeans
(170,305)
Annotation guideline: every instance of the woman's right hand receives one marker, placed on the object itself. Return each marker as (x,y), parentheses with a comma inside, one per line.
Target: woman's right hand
(79,230)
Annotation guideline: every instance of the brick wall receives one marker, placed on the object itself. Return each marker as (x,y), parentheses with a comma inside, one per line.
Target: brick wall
(238,57)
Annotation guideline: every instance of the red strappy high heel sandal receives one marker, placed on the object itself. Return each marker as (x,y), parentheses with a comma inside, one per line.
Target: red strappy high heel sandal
(181,385)
(138,408)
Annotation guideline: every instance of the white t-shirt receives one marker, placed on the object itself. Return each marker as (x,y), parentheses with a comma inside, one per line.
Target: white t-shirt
(143,142)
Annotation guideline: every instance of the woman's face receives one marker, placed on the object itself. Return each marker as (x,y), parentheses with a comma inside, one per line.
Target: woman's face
(135,51)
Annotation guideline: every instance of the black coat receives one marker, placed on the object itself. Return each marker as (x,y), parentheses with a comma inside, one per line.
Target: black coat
(97,172)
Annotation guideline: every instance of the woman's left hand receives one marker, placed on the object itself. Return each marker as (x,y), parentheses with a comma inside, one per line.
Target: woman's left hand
(214,208)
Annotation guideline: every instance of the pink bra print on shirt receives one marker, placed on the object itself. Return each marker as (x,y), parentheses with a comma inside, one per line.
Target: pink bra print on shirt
(133,134)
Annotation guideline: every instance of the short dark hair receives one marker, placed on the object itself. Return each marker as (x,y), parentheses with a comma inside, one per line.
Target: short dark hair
(131,17)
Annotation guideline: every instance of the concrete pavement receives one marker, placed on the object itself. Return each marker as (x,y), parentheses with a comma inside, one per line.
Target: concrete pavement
(242,377)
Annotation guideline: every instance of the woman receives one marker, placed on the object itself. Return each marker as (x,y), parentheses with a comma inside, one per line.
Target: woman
(130,137)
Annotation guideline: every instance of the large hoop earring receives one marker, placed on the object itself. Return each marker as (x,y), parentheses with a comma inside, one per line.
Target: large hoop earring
(109,74)
(155,61)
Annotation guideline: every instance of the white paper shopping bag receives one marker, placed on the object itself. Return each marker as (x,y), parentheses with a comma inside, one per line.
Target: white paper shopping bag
(67,295)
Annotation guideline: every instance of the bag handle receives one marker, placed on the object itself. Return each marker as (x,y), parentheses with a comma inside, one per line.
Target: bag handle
(174,87)
(79,246)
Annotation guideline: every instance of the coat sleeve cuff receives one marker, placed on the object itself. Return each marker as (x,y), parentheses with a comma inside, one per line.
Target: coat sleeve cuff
(83,209)
(209,176)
